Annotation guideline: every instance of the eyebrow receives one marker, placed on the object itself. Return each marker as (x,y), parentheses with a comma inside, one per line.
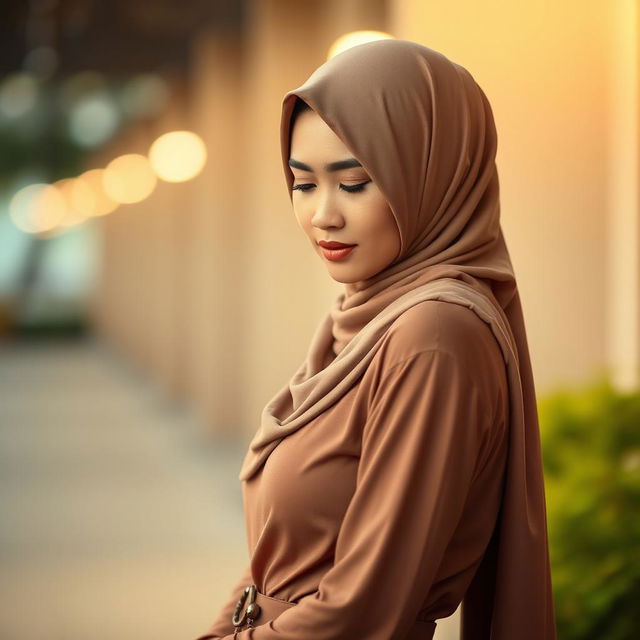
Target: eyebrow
(330,166)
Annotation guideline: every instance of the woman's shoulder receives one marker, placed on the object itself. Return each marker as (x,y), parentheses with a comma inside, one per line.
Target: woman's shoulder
(436,325)
(449,338)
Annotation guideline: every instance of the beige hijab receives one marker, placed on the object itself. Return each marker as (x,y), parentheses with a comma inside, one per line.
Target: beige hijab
(424,131)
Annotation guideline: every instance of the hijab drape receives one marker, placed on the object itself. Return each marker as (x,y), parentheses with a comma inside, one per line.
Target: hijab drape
(424,131)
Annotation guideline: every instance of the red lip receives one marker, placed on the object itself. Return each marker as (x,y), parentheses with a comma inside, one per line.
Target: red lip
(334,245)
(337,254)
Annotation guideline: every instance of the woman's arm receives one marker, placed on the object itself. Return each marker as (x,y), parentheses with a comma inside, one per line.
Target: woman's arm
(421,443)
(221,626)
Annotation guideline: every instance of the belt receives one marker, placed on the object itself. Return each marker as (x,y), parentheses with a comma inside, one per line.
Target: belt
(254,606)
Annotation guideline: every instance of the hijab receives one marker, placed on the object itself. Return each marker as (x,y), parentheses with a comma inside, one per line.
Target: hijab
(424,131)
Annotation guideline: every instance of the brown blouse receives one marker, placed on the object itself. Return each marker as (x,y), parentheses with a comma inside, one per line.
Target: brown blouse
(381,507)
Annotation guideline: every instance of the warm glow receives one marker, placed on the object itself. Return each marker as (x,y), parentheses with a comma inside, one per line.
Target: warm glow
(72,216)
(354,38)
(129,178)
(88,195)
(37,208)
(178,156)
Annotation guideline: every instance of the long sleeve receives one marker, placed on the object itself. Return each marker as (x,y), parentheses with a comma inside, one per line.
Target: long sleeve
(221,626)
(422,442)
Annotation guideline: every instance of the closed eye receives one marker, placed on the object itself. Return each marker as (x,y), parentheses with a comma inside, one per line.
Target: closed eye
(355,188)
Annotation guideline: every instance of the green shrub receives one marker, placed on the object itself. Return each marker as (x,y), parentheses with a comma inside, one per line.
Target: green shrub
(591,451)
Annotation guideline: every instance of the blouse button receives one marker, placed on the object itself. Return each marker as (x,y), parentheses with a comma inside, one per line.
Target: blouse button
(253,611)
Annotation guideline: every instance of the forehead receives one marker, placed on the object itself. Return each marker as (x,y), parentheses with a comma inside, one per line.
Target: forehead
(311,137)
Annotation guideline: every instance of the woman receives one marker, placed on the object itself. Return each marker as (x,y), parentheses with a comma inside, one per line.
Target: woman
(398,473)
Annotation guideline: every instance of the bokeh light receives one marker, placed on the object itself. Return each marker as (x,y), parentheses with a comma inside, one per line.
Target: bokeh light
(72,215)
(144,95)
(178,156)
(354,38)
(37,207)
(18,95)
(129,178)
(88,195)
(93,120)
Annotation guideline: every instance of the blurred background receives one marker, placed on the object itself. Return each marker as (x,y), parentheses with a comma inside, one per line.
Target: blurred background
(149,306)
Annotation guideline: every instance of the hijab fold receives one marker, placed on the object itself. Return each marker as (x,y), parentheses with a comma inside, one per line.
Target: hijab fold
(424,131)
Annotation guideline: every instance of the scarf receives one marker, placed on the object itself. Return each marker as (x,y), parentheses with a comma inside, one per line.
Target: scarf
(424,131)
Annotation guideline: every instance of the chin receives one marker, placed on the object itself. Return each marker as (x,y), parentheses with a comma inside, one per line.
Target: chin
(348,278)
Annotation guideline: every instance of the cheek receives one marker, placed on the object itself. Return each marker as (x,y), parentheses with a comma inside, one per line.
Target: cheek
(387,243)
(383,226)
(303,218)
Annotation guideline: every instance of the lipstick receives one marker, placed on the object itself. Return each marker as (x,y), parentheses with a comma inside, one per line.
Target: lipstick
(334,250)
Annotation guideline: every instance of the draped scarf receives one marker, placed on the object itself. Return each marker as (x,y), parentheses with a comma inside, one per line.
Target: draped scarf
(424,131)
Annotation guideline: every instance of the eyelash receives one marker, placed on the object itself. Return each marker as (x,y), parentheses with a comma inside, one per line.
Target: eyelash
(356,188)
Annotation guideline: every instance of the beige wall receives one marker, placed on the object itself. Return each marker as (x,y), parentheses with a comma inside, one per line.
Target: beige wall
(215,255)
(623,241)
(139,305)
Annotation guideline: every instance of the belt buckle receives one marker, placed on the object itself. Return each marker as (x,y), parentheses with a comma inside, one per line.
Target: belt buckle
(251,611)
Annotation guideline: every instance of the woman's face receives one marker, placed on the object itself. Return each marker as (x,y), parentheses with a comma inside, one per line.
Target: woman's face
(334,199)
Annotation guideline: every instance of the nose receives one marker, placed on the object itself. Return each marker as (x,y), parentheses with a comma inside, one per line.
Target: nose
(326,213)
